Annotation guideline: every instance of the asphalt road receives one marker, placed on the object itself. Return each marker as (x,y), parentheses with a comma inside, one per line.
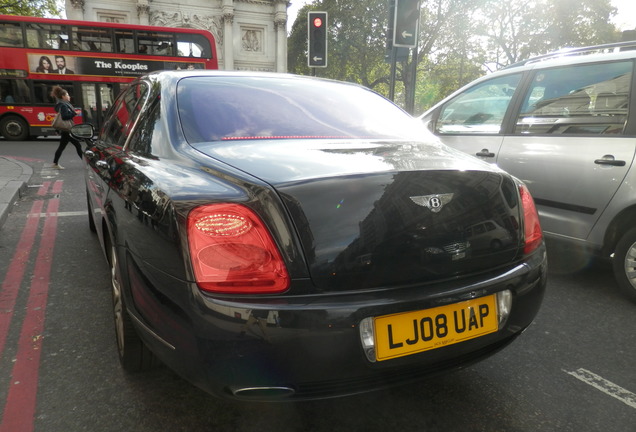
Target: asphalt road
(572,370)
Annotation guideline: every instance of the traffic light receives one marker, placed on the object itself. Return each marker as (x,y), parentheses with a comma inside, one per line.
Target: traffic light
(407,14)
(317,39)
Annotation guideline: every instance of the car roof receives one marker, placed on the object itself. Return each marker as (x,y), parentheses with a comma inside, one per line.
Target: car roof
(180,74)
(565,57)
(591,53)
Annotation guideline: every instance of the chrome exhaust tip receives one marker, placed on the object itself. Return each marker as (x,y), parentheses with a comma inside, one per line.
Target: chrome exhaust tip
(262,392)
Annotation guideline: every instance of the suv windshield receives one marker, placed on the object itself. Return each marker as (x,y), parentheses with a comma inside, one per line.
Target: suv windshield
(238,108)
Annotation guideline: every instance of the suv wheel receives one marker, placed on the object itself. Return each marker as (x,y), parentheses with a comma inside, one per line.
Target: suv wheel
(624,263)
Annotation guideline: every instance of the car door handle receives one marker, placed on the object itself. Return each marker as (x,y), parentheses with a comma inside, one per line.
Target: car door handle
(485,153)
(609,160)
(101,164)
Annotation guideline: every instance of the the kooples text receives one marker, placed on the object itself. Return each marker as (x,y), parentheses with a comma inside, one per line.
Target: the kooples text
(101,64)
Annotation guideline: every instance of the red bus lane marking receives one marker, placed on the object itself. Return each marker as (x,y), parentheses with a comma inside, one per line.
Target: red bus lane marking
(57,187)
(19,410)
(43,190)
(15,272)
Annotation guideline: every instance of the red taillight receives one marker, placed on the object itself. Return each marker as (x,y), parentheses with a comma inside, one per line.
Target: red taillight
(233,252)
(532,230)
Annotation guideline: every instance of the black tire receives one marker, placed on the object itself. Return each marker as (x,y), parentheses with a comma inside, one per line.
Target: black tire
(134,355)
(91,221)
(14,128)
(624,264)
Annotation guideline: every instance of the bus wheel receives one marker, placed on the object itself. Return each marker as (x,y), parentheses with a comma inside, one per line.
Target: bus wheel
(13,128)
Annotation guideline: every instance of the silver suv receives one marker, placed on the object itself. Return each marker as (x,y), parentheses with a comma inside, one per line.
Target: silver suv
(564,123)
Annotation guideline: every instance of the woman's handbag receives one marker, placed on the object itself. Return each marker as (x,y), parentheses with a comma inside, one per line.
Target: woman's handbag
(62,125)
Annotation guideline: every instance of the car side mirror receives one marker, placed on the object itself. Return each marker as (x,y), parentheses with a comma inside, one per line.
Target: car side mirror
(84,130)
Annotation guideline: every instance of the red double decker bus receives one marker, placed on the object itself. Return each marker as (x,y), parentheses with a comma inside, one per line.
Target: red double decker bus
(91,60)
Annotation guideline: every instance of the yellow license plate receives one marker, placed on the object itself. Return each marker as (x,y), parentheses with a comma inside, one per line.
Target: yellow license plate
(412,332)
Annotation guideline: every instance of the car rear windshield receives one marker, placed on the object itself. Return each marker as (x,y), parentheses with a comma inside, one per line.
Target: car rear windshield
(238,108)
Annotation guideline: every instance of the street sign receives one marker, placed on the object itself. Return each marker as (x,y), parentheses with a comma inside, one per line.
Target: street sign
(407,14)
(317,39)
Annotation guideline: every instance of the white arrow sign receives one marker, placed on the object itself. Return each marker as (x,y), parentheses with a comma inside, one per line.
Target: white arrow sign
(406,35)
(316,58)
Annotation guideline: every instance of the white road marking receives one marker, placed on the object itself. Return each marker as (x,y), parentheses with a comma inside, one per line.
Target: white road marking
(59,214)
(607,387)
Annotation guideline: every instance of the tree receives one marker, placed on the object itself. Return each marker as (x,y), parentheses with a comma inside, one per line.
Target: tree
(38,8)
(448,54)
(459,40)
(515,30)
(297,43)
(356,40)
(358,37)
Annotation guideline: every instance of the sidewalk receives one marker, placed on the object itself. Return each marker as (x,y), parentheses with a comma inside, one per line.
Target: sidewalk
(14,176)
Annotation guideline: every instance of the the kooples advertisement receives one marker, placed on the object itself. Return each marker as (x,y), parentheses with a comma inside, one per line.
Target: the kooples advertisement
(80,65)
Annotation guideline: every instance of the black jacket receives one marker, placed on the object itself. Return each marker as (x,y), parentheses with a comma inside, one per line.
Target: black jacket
(65,109)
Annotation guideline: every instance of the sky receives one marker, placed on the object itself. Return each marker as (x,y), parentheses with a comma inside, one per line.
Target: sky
(624,20)
(626,17)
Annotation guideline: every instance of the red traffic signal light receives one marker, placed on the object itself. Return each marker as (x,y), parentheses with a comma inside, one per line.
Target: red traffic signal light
(317,39)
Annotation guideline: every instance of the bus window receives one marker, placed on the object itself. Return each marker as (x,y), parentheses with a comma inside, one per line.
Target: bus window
(97,99)
(124,41)
(42,91)
(14,91)
(11,35)
(92,39)
(193,45)
(47,36)
(155,43)
(6,92)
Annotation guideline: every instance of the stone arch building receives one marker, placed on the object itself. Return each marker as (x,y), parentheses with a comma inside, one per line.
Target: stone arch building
(250,34)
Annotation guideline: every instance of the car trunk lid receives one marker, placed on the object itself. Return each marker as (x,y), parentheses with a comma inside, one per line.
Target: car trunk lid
(383,214)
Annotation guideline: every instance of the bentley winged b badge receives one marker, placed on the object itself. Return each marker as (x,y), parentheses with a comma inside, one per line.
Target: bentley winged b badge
(434,202)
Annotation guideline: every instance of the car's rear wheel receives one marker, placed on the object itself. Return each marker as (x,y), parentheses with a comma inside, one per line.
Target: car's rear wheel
(624,263)
(133,353)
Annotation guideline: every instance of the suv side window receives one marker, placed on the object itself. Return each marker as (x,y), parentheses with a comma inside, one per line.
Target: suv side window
(480,109)
(585,100)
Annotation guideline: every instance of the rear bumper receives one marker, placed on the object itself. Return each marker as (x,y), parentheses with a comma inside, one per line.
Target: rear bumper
(309,347)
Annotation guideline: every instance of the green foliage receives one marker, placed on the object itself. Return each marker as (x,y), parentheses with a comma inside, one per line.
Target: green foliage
(515,30)
(459,40)
(356,42)
(37,8)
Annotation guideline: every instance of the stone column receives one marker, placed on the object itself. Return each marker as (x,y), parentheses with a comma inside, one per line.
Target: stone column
(281,45)
(75,9)
(280,24)
(143,12)
(228,34)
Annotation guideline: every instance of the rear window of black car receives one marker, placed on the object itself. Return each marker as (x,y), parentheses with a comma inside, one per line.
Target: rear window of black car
(239,108)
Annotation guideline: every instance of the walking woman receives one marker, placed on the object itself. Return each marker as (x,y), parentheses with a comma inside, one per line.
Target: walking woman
(67,112)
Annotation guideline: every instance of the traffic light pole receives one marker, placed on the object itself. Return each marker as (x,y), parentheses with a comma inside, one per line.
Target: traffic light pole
(409,106)
(393,73)
(405,20)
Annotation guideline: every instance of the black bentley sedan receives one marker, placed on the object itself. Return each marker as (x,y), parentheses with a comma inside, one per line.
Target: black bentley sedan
(276,237)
